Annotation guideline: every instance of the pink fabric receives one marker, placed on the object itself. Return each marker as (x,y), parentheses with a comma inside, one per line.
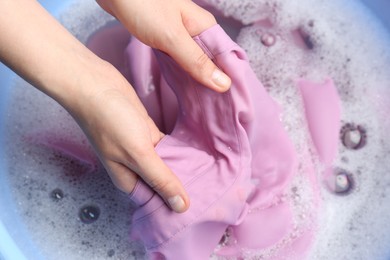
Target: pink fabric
(220,146)
(231,152)
(323,116)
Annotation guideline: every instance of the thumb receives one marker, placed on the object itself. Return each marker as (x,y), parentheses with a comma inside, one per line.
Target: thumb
(162,180)
(187,53)
(192,59)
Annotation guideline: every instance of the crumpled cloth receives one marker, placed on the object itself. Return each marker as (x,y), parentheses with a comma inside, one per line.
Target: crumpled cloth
(230,151)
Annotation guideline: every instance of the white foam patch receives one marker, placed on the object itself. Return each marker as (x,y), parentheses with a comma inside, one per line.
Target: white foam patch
(343,41)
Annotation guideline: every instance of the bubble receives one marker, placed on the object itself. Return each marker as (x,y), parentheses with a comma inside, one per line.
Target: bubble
(57,194)
(268,39)
(89,214)
(227,239)
(353,136)
(151,86)
(341,182)
(111,253)
(306,38)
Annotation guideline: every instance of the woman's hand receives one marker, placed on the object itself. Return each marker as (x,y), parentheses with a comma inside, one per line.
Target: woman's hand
(168,25)
(124,136)
(105,105)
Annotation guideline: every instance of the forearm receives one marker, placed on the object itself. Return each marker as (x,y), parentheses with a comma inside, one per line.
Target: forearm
(105,105)
(43,52)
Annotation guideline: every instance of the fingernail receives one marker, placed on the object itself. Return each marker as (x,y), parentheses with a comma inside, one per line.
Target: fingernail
(177,203)
(221,79)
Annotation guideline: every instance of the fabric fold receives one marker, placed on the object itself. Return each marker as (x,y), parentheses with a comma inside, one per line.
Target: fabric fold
(221,146)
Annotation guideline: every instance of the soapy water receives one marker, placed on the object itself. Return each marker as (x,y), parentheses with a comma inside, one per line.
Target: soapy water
(72,210)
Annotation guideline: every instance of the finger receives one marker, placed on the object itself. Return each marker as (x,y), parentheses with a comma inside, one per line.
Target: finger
(105,5)
(187,53)
(161,179)
(122,177)
(196,19)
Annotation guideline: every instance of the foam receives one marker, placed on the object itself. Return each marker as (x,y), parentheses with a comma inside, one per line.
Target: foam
(352,226)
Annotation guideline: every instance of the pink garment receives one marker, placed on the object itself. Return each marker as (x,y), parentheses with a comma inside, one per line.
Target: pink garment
(230,151)
(221,145)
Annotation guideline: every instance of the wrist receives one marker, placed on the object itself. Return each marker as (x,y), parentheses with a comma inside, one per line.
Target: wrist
(86,86)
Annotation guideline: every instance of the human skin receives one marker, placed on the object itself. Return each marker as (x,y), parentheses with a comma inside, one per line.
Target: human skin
(39,49)
(168,25)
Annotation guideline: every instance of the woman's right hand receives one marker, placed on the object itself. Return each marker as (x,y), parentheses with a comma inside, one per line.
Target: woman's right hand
(169,25)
